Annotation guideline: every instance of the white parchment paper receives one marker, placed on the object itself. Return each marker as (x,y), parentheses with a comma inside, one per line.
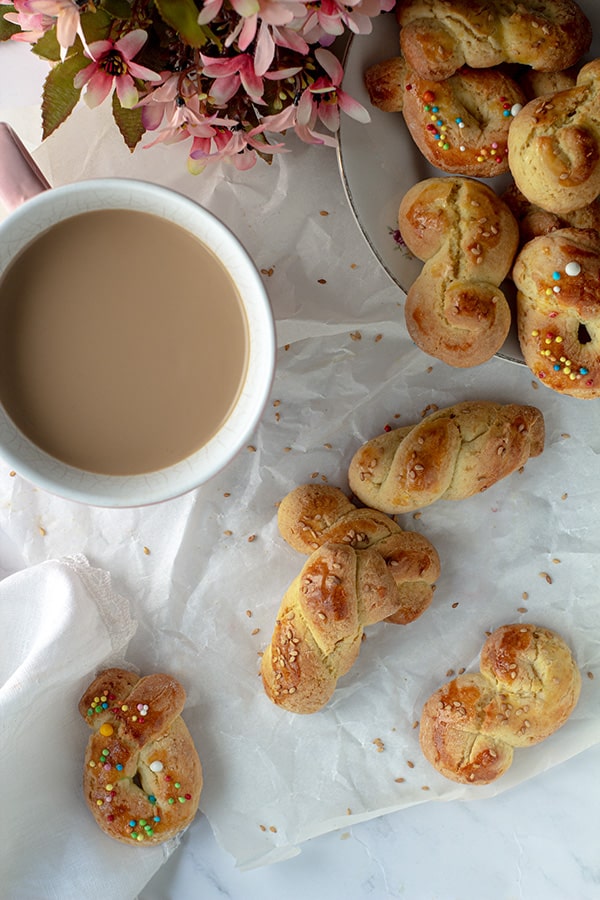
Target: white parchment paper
(205,573)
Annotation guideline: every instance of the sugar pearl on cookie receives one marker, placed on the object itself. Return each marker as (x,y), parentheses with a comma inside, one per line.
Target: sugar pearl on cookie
(572,268)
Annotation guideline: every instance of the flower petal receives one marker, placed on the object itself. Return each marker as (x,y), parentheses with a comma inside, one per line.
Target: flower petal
(331,64)
(98,89)
(126,91)
(131,43)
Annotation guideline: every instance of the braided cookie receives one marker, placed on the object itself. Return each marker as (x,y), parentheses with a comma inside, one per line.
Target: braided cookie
(467,237)
(528,686)
(451,455)
(554,145)
(460,125)
(437,37)
(534,221)
(362,569)
(142,777)
(557,277)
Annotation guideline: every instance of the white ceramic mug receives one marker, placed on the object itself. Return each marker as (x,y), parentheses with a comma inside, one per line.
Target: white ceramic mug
(35,207)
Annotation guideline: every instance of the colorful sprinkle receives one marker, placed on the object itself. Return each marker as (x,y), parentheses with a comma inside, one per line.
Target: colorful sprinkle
(156,766)
(556,276)
(572,268)
(106,729)
(516,109)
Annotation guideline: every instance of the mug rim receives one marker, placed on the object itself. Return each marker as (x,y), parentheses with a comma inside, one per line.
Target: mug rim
(41,212)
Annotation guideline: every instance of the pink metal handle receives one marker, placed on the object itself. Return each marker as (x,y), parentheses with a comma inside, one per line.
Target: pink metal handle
(20,177)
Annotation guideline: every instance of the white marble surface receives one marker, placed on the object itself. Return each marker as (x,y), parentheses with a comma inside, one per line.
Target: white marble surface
(538,841)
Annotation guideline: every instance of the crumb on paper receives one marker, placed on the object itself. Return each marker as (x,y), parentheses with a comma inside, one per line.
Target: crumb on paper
(449,673)
(425,787)
(12,473)
(328,446)
(556,561)
(227,494)
(379,744)
(455,604)
(399,780)
(417,515)
(251,538)
(255,631)
(345,836)
(42,530)
(546,577)
(410,764)
(251,448)
(590,675)
(521,609)
(276,402)
(147,551)
(534,385)
(565,435)
(287,449)
(268,272)
(461,671)
(356,335)
(263,827)
(228,532)
(415,723)
(348,812)
(378,337)
(525,595)
(564,496)
(353,265)
(315,475)
(323,212)
(273,829)
(249,613)
(431,407)
(321,281)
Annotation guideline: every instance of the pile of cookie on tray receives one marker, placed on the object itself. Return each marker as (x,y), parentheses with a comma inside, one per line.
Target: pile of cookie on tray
(501,87)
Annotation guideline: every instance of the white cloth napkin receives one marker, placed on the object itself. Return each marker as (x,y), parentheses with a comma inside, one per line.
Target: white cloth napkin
(61,622)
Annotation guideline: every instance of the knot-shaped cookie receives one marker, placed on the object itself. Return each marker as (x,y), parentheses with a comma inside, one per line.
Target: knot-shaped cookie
(557,277)
(437,37)
(534,221)
(363,568)
(460,125)
(554,145)
(467,236)
(527,687)
(142,777)
(450,455)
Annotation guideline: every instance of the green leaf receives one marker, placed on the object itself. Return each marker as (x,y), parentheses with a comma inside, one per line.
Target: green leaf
(129,123)
(47,46)
(118,9)
(7,28)
(182,15)
(59,95)
(95,24)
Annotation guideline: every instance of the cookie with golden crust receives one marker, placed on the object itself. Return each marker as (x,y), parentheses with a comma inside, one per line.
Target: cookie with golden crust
(437,37)
(527,687)
(455,310)
(557,276)
(142,777)
(554,145)
(534,221)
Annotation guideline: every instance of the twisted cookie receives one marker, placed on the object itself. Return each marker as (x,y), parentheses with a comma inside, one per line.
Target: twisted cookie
(437,37)
(142,777)
(534,221)
(527,688)
(557,277)
(468,237)
(452,454)
(554,145)
(362,569)
(460,125)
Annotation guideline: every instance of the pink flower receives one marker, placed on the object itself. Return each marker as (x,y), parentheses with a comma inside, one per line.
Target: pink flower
(324,99)
(64,13)
(332,17)
(233,145)
(33,25)
(113,68)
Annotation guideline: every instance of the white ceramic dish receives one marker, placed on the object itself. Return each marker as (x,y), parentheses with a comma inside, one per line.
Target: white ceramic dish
(379,161)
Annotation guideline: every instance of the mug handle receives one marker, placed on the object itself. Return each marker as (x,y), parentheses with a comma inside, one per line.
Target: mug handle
(20,177)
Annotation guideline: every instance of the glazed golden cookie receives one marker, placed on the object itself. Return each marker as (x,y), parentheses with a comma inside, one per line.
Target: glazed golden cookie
(362,569)
(460,125)
(455,310)
(554,145)
(437,37)
(534,221)
(142,777)
(451,454)
(527,688)
(557,276)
